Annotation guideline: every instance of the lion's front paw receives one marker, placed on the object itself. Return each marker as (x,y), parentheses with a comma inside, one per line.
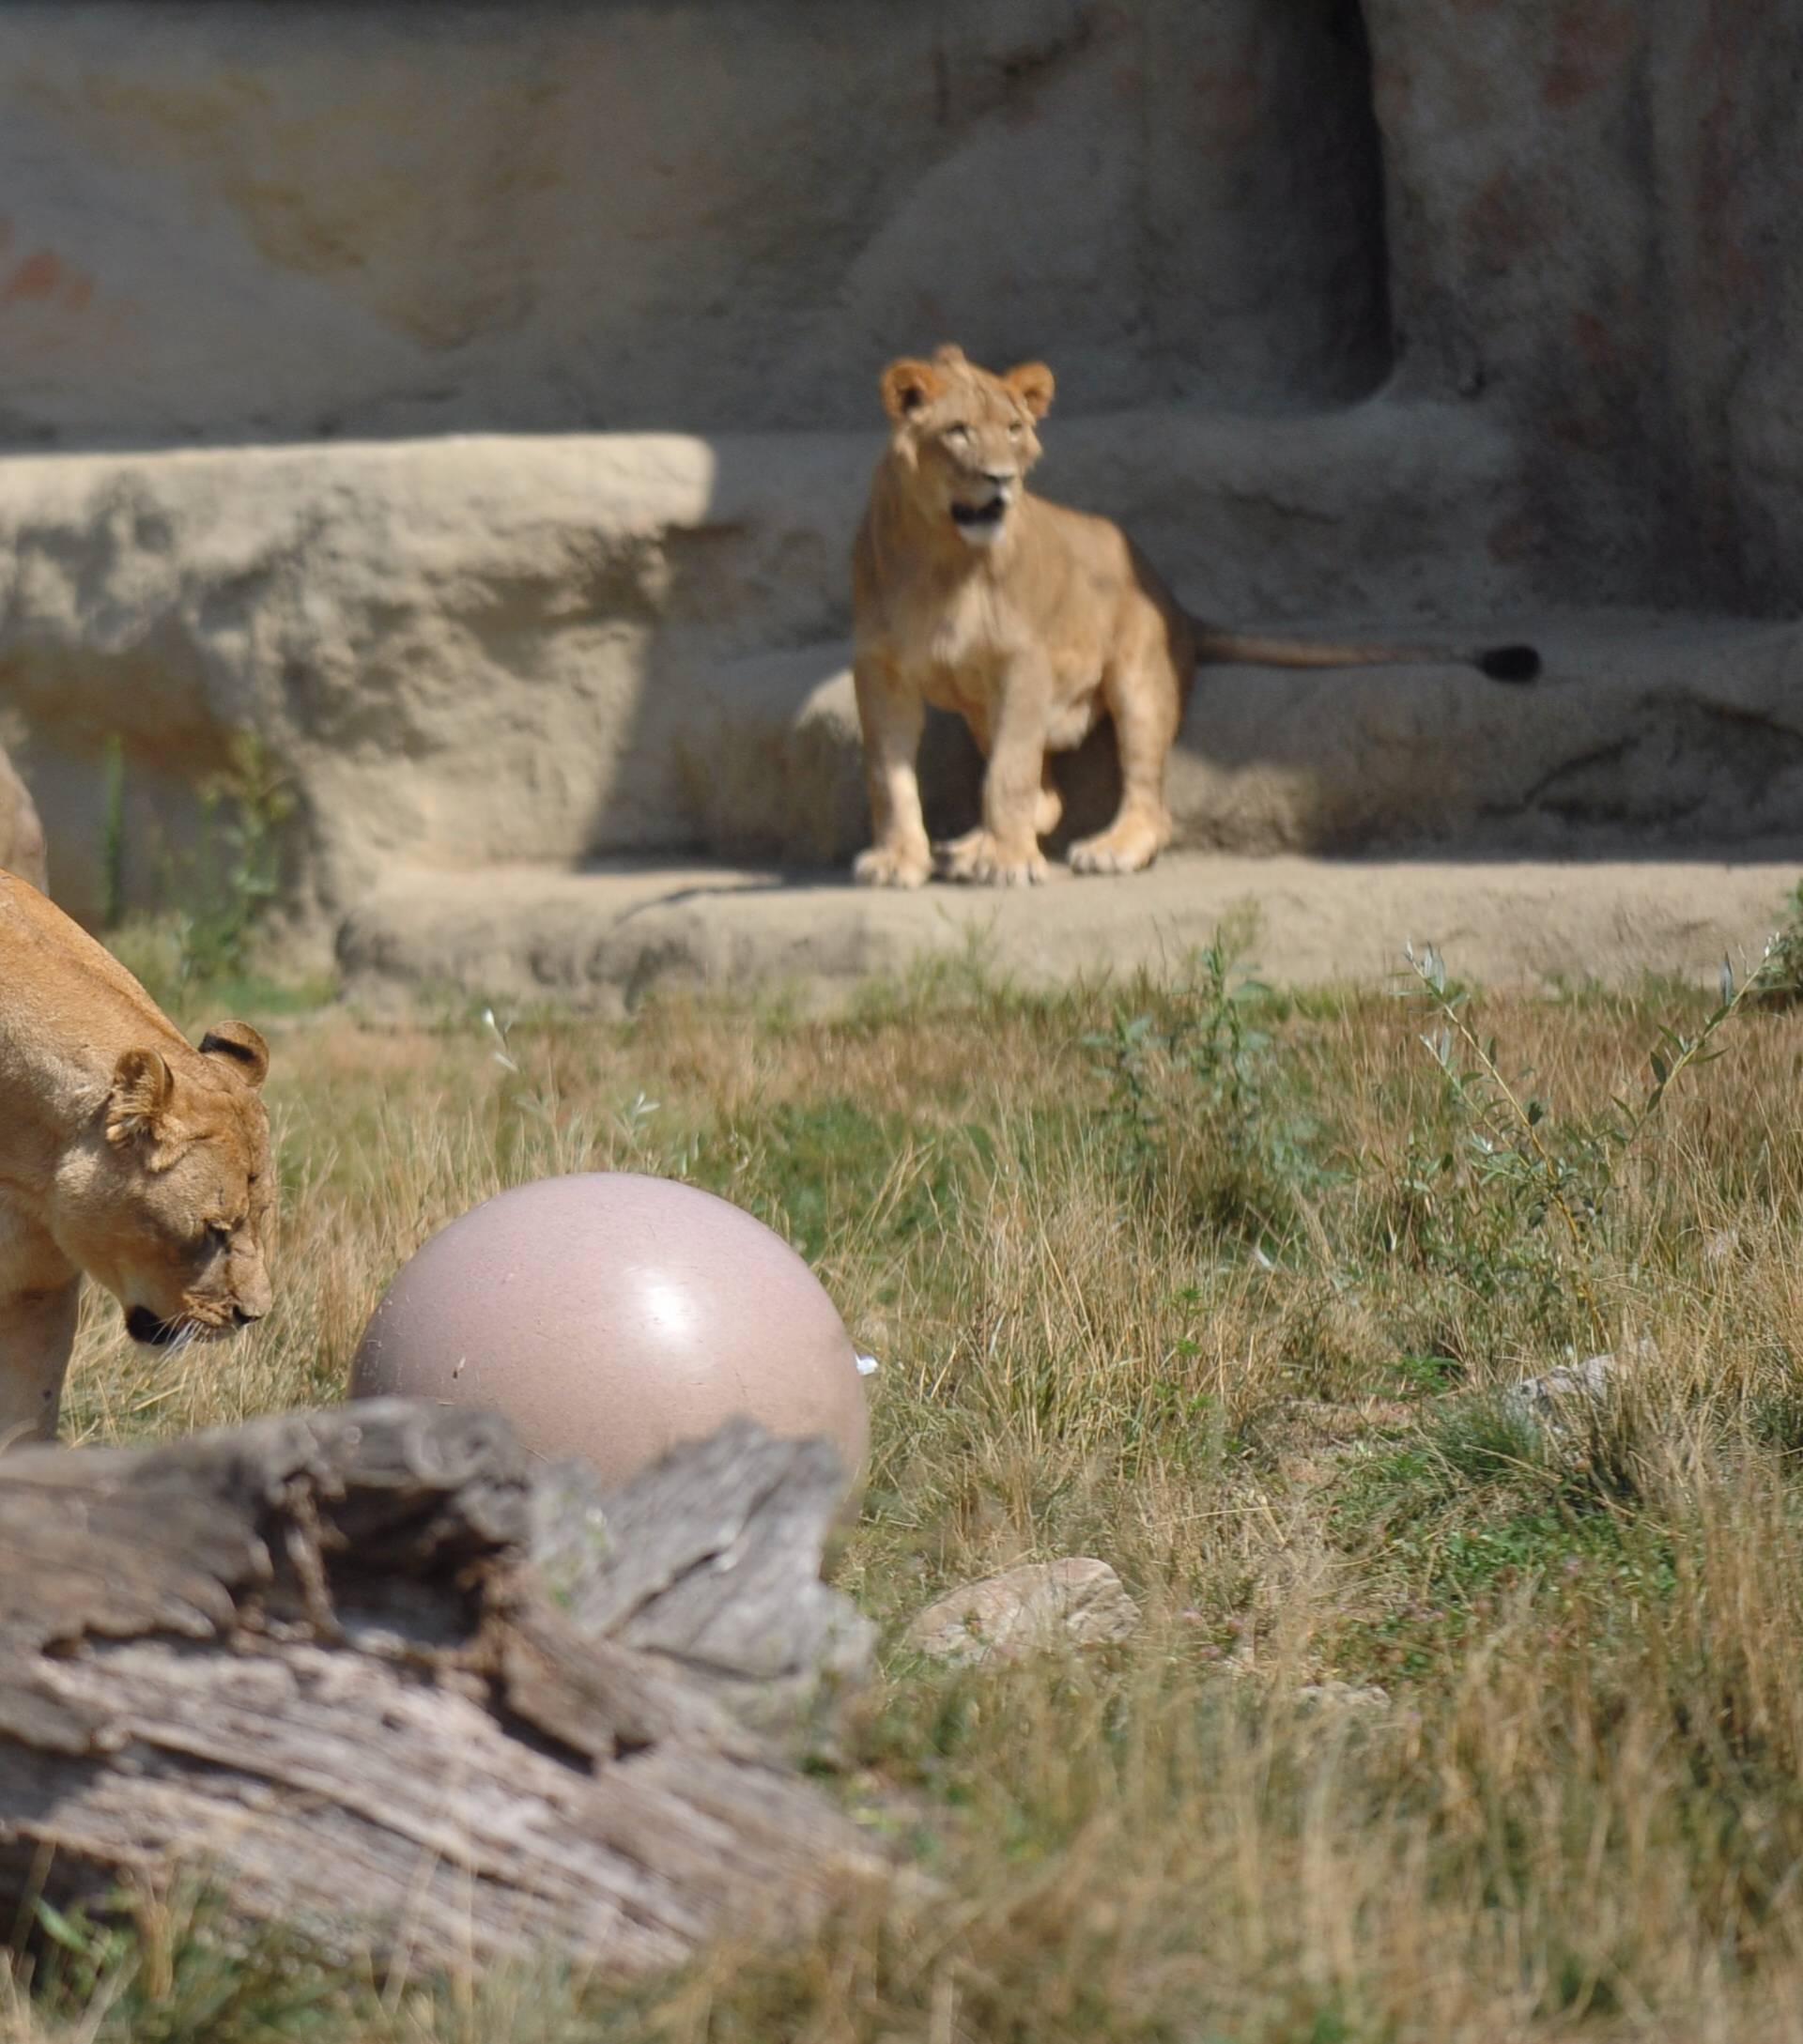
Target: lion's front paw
(984,861)
(893,865)
(1123,848)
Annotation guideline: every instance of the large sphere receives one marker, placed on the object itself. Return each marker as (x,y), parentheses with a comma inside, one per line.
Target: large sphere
(612,1316)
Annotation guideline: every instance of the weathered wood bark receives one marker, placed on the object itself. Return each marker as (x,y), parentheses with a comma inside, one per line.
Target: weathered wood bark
(379,1680)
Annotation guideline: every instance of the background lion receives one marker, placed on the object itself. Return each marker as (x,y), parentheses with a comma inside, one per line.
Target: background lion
(1032,621)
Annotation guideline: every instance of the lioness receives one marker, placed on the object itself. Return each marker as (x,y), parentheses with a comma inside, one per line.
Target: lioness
(124,1153)
(1031,622)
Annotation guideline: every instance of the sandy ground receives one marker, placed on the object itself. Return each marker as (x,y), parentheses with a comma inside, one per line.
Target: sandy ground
(605,937)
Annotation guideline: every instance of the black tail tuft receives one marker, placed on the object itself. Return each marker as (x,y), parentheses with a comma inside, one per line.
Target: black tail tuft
(1510,663)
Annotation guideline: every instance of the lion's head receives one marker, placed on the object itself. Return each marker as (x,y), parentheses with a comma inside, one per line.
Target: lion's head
(169,1206)
(965,437)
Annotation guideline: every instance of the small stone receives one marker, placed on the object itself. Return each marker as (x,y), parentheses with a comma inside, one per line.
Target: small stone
(1342,1696)
(1078,1602)
(1552,1399)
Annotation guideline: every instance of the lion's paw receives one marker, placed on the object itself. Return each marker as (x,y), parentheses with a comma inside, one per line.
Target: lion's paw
(983,860)
(1125,848)
(893,865)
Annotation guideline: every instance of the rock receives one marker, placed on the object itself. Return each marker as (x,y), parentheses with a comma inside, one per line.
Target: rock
(21,836)
(1581,244)
(605,938)
(1563,1395)
(1403,317)
(1336,1698)
(1042,1605)
(554,218)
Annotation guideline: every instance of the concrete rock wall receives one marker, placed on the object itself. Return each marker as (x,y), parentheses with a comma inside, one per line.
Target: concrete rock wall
(1411,313)
(279,221)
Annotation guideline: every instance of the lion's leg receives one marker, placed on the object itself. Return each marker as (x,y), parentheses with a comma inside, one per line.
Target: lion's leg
(1145,699)
(1005,849)
(37,1332)
(1049,813)
(891,716)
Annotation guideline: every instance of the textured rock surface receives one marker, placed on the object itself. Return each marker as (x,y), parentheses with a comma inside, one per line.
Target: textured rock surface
(274,221)
(21,836)
(606,938)
(1419,312)
(1078,1601)
(1571,1395)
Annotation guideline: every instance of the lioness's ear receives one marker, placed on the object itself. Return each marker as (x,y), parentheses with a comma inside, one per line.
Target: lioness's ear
(141,1087)
(242,1046)
(908,387)
(1032,383)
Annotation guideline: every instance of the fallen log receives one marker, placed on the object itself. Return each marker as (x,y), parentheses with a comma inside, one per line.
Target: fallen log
(377,1677)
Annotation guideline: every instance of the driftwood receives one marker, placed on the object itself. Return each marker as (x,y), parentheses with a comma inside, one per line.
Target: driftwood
(375,1677)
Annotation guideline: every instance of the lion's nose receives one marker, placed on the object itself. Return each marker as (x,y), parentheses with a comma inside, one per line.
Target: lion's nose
(1001,479)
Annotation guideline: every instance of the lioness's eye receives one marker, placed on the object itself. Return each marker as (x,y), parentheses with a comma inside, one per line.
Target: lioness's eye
(1013,429)
(957,433)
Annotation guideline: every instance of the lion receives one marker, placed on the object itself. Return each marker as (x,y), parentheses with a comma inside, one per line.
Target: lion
(21,836)
(125,1153)
(1032,621)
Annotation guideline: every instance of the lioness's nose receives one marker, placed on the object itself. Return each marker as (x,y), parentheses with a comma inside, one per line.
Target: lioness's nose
(242,1316)
(1000,477)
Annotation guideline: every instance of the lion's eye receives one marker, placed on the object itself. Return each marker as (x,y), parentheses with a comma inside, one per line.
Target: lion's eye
(1013,429)
(957,433)
(217,1234)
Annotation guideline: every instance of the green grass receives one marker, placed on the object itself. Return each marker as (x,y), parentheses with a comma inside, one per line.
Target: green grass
(1224,1288)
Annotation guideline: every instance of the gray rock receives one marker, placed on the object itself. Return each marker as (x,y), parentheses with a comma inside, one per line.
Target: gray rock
(605,938)
(263,221)
(1335,1697)
(1563,1395)
(1041,1606)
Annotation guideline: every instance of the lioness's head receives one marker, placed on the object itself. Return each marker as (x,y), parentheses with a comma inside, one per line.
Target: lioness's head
(967,436)
(171,1209)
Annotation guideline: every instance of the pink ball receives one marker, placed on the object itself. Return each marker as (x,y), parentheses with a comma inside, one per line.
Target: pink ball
(612,1316)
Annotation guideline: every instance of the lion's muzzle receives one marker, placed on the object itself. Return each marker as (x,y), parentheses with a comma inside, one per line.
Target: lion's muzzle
(141,1325)
(979,515)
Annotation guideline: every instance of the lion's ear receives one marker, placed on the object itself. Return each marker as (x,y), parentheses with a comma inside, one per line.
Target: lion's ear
(908,385)
(241,1047)
(138,1105)
(1033,384)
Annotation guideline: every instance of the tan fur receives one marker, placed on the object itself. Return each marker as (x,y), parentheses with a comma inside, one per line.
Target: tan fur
(21,836)
(1032,624)
(125,1153)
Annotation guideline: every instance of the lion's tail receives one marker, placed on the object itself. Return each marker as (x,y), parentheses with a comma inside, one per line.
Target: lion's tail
(1515,663)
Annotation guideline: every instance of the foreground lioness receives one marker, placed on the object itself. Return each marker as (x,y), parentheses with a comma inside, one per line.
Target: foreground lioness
(124,1153)
(1031,622)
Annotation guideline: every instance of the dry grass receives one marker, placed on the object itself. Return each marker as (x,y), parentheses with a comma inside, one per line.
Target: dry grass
(1225,1299)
